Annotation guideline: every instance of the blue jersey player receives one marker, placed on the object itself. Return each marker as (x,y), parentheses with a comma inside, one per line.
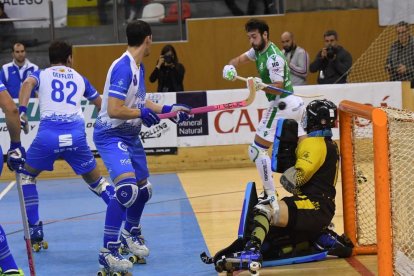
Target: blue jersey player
(61,131)
(15,159)
(116,136)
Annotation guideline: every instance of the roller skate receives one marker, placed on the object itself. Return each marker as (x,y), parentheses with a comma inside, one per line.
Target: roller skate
(248,259)
(12,272)
(134,243)
(36,237)
(112,263)
(329,240)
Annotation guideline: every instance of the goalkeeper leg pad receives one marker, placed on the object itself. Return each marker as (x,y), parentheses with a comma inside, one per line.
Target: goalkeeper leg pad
(284,145)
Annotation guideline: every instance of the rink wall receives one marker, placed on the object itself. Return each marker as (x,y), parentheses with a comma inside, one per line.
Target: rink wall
(216,139)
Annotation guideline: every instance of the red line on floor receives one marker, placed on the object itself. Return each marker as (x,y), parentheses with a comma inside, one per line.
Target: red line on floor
(360,267)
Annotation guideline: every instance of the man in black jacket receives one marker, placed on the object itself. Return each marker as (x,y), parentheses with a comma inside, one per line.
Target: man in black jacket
(400,60)
(332,62)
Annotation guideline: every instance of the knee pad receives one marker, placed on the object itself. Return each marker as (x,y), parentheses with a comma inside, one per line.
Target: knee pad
(126,192)
(284,145)
(256,152)
(99,186)
(147,190)
(27,179)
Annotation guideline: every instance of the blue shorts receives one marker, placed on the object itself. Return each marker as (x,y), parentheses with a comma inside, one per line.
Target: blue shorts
(122,154)
(61,140)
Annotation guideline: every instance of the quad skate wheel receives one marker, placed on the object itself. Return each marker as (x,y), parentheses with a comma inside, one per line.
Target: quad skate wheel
(133,259)
(36,247)
(116,274)
(45,245)
(254,268)
(101,273)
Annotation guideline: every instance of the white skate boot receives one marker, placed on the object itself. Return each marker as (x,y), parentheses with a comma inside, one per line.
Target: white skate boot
(133,242)
(113,262)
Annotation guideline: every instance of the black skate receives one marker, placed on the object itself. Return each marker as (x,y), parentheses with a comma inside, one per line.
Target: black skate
(245,260)
(36,237)
(340,246)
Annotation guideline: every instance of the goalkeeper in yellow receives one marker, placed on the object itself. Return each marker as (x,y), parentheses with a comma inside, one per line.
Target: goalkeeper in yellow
(298,226)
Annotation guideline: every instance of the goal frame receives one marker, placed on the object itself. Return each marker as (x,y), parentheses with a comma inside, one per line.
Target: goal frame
(348,109)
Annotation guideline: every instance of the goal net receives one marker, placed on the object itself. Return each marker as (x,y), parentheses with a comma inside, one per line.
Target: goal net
(378,192)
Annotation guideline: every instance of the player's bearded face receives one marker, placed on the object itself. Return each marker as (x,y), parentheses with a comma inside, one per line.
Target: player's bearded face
(260,45)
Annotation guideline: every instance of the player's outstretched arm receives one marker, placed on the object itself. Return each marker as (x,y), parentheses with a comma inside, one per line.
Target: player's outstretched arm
(118,110)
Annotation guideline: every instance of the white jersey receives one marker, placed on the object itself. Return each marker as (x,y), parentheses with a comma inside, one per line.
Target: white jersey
(60,90)
(125,81)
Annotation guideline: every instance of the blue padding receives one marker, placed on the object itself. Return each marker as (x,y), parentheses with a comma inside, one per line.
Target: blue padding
(296,260)
(250,187)
(276,141)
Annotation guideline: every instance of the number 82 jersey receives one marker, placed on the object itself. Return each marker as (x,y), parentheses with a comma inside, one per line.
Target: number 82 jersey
(60,91)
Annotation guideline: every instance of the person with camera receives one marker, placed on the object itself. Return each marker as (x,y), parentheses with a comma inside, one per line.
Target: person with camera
(332,62)
(168,71)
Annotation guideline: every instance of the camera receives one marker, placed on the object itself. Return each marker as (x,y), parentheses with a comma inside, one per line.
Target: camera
(330,52)
(168,59)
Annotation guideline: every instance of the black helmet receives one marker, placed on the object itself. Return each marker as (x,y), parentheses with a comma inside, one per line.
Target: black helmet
(320,115)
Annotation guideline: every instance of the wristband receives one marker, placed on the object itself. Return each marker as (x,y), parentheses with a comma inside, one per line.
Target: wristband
(166,108)
(15,145)
(22,109)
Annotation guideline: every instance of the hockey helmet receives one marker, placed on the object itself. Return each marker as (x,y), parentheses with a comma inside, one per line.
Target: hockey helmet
(320,115)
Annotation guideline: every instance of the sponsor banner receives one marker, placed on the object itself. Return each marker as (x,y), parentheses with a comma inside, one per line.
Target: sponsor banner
(226,127)
(26,9)
(198,125)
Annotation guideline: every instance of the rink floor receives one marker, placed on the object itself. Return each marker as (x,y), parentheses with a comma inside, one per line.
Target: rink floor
(189,213)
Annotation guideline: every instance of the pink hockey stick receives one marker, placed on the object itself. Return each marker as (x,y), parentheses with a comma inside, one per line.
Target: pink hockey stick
(217,107)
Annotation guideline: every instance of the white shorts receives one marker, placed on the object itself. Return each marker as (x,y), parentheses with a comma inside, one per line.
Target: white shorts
(294,109)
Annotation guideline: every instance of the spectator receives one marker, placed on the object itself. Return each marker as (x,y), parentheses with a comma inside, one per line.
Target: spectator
(6,28)
(168,71)
(297,58)
(333,61)
(14,73)
(400,60)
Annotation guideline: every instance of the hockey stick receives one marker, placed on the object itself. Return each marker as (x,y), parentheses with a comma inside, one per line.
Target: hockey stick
(217,107)
(283,91)
(25,226)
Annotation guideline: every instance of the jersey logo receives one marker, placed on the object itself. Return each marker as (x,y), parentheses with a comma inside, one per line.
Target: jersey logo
(120,82)
(65,140)
(122,146)
(261,67)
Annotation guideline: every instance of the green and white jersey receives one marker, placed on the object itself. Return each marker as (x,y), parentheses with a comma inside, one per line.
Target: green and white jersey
(272,67)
